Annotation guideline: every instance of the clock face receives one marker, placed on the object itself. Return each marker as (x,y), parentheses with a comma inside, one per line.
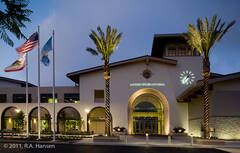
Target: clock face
(187,77)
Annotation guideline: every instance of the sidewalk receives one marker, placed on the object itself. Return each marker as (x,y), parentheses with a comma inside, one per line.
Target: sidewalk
(229,146)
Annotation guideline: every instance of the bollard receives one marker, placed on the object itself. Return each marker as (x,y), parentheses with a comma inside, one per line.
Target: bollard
(191,139)
(169,139)
(126,139)
(147,139)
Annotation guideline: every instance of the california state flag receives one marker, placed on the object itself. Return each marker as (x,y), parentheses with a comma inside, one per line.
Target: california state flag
(17,65)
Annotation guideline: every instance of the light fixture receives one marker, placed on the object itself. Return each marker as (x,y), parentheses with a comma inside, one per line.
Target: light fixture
(9,120)
(34,121)
(17,110)
(87,110)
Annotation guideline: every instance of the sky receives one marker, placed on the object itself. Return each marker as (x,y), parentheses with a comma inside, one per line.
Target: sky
(139,20)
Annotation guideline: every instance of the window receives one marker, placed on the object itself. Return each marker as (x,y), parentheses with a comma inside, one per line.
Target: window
(172,51)
(181,51)
(48,98)
(145,107)
(3,98)
(71,98)
(99,96)
(189,51)
(21,98)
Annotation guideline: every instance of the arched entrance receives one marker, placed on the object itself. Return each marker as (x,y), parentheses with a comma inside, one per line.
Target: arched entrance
(96,120)
(10,119)
(68,119)
(148,112)
(45,120)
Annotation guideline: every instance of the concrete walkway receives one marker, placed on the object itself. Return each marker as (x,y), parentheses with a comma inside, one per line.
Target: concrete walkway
(229,146)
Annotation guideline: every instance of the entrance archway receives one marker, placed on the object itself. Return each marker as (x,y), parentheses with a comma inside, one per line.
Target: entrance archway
(9,117)
(45,120)
(96,120)
(68,119)
(148,112)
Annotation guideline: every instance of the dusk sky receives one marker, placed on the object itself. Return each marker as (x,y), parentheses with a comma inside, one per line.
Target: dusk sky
(139,20)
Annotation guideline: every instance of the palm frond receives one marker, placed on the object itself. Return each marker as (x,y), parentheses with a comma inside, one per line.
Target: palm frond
(97,41)
(4,36)
(92,51)
(204,38)
(225,30)
(214,22)
(13,17)
(206,24)
(105,43)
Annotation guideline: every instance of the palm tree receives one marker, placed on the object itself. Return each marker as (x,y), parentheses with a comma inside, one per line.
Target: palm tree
(12,19)
(203,38)
(105,47)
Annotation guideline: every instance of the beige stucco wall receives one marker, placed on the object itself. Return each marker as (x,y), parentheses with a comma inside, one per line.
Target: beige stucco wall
(122,76)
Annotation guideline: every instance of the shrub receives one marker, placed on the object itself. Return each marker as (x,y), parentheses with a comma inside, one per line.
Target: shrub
(119,129)
(178,130)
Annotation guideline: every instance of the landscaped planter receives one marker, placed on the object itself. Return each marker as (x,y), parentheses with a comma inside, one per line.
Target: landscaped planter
(106,138)
(208,141)
(180,134)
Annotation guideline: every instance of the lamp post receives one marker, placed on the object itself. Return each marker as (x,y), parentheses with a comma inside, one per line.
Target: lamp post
(147,139)
(191,139)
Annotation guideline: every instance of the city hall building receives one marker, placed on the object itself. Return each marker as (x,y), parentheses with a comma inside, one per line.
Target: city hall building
(149,94)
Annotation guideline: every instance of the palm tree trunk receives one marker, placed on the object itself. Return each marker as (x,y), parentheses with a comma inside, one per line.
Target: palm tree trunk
(107,99)
(206,102)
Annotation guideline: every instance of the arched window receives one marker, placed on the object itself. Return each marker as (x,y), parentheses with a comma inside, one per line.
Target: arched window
(145,107)
(68,120)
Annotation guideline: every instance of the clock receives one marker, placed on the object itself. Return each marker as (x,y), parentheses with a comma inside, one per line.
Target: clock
(187,77)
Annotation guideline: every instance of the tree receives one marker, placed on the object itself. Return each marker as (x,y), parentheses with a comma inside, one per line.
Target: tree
(203,38)
(19,120)
(12,19)
(105,46)
(48,118)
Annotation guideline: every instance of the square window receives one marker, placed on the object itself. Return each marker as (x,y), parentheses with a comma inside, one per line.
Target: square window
(48,98)
(21,98)
(71,98)
(98,96)
(3,98)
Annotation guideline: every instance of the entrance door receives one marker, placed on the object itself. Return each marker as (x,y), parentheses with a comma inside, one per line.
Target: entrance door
(97,127)
(96,120)
(142,125)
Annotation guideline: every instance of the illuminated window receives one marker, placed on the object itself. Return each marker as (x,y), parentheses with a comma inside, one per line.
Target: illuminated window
(71,98)
(189,51)
(3,98)
(48,98)
(181,51)
(21,98)
(145,107)
(172,51)
(98,96)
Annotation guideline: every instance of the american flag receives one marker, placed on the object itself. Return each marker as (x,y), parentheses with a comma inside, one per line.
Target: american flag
(29,44)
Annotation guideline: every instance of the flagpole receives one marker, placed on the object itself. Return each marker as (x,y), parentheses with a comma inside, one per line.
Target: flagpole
(54,129)
(39,126)
(27,128)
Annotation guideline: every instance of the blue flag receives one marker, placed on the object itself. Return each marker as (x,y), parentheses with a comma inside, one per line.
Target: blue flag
(45,50)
